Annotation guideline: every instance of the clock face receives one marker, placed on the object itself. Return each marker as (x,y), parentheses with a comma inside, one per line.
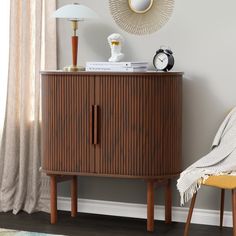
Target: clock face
(161,61)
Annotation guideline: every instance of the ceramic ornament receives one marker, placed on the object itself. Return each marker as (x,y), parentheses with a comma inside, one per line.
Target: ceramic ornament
(116,41)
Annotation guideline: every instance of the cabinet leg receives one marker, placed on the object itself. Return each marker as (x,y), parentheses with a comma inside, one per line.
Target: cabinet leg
(150,206)
(53,189)
(74,196)
(168,203)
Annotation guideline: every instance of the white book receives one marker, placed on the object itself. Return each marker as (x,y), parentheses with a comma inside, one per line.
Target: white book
(116,64)
(117,69)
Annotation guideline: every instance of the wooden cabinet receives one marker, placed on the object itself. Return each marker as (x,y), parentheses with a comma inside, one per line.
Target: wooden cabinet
(112,124)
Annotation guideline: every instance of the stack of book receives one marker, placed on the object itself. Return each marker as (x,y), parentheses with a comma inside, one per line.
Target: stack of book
(117,66)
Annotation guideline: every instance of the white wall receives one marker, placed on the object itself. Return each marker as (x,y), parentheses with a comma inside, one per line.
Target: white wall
(202,35)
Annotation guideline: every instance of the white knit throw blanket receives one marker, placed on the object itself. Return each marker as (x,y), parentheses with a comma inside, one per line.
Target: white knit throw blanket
(220,160)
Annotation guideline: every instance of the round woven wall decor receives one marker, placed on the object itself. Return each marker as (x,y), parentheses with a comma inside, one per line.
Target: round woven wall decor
(141,23)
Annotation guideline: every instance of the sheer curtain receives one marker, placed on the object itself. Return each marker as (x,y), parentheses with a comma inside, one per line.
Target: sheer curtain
(4,49)
(32,47)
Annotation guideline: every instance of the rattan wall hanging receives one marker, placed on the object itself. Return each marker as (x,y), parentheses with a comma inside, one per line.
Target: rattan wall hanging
(141,16)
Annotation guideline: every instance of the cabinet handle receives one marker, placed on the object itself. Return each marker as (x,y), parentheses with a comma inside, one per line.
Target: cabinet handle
(91,123)
(96,108)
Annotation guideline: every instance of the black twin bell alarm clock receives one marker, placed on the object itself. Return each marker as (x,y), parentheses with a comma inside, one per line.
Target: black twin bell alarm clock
(163,60)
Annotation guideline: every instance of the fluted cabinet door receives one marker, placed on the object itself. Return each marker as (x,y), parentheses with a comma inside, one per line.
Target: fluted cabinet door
(139,125)
(66,144)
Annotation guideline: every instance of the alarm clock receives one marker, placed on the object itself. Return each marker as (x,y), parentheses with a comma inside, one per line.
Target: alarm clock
(163,60)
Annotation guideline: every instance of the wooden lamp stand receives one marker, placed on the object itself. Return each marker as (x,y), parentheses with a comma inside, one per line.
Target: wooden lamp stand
(75,42)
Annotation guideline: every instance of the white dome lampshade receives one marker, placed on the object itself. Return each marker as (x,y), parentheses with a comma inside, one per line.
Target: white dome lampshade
(75,12)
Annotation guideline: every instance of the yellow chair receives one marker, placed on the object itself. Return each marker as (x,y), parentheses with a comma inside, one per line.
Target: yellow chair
(223,182)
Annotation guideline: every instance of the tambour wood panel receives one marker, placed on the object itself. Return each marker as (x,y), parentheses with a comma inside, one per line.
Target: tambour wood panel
(66,104)
(134,130)
(112,124)
(139,124)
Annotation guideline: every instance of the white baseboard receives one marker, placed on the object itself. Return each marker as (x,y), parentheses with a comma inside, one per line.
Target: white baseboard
(179,214)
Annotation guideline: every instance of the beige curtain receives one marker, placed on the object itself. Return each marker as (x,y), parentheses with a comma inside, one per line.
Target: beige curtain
(32,47)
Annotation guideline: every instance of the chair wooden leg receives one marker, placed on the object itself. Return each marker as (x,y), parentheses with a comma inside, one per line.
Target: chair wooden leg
(74,196)
(234,211)
(186,229)
(222,207)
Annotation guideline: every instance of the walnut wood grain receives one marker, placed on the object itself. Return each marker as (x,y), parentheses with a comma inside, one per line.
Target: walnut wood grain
(168,203)
(125,125)
(136,124)
(53,198)
(91,122)
(74,41)
(140,125)
(74,196)
(95,135)
(79,73)
(66,103)
(150,205)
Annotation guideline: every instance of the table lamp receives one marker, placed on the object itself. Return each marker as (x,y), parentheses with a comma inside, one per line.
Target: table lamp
(75,13)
